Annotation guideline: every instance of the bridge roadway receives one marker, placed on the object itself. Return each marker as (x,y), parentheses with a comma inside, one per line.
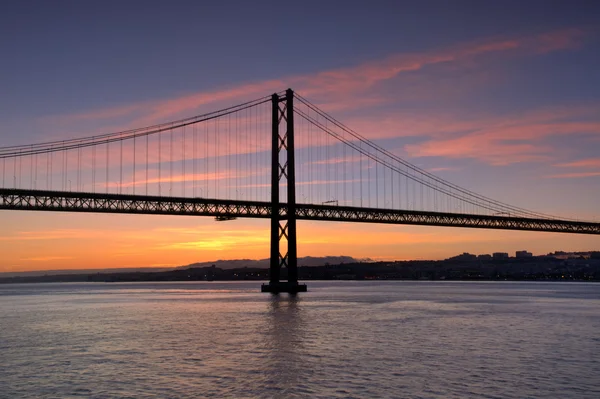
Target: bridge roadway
(39,200)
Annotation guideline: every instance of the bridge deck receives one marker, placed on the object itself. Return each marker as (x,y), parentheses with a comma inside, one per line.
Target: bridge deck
(38,200)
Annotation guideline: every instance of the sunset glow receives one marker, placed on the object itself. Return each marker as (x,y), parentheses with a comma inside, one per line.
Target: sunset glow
(514,116)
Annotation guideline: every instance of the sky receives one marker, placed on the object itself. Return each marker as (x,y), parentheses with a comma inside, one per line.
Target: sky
(502,98)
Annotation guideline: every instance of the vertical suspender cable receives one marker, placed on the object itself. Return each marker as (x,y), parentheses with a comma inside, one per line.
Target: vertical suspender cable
(256,185)
(159,163)
(78,168)
(107,160)
(121,167)
(64,169)
(346,182)
(31,171)
(94,168)
(147,163)
(309,127)
(183,163)
(327,165)
(194,160)
(216,164)
(134,150)
(376,184)
(392,184)
(171,162)
(229,156)
(247,149)
(206,158)
(237,155)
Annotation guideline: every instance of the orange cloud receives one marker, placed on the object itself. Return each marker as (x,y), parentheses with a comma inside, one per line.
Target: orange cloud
(47,258)
(58,234)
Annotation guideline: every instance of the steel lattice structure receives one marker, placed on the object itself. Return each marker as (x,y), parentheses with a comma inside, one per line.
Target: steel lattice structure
(137,204)
(283,225)
(392,216)
(38,200)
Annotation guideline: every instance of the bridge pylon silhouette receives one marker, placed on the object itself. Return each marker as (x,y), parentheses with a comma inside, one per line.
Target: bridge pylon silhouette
(283,225)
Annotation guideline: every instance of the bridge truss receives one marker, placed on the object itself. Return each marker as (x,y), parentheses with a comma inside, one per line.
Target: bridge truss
(57,201)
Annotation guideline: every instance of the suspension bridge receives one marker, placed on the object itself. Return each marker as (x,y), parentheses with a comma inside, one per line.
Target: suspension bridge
(278,157)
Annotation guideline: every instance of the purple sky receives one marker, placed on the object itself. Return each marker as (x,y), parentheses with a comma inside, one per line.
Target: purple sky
(502,98)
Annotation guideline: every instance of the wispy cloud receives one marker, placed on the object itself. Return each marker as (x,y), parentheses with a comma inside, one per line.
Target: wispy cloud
(47,258)
(442,169)
(57,234)
(510,139)
(185,178)
(583,163)
(342,88)
(574,175)
(216,240)
(339,88)
(588,163)
(491,139)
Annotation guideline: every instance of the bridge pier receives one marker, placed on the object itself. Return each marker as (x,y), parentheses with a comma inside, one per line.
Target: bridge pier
(283,286)
(283,226)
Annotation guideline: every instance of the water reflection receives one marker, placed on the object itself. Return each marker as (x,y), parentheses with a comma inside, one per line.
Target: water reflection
(284,344)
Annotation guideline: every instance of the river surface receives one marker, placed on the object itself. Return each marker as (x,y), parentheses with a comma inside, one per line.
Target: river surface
(340,340)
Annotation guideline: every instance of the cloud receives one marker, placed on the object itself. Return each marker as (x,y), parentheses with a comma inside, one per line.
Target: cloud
(574,175)
(583,163)
(47,258)
(58,234)
(564,39)
(336,89)
(217,240)
(491,151)
(373,236)
(509,139)
(442,169)
(491,139)
(188,178)
(163,110)
(341,86)
(589,163)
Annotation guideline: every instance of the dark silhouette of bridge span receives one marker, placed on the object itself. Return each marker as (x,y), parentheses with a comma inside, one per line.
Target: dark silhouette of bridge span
(345,178)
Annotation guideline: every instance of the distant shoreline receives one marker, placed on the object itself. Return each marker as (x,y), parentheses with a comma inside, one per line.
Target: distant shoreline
(541,268)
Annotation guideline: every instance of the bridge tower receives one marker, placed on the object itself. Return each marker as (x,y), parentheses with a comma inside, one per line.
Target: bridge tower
(283,220)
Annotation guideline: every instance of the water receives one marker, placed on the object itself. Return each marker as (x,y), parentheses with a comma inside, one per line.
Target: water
(340,340)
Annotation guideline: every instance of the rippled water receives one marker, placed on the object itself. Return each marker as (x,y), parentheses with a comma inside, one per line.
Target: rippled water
(341,339)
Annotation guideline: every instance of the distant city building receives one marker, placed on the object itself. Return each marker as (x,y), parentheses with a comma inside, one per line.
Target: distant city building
(464,256)
(523,254)
(500,255)
(484,257)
